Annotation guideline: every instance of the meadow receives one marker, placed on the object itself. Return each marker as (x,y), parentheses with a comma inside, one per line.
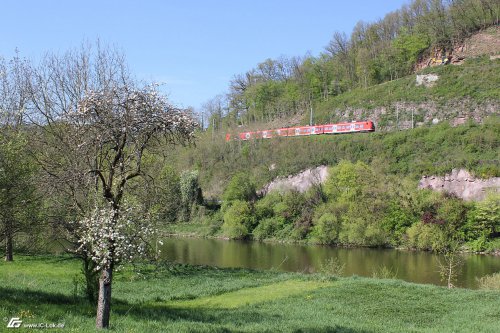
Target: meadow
(169,297)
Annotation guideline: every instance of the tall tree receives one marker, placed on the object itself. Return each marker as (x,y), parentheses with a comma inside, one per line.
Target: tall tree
(17,191)
(18,198)
(95,124)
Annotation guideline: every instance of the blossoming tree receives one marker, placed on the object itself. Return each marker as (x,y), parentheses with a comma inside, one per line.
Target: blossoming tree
(97,124)
(114,127)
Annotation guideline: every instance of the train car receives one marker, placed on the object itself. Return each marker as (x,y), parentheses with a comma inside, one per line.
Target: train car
(366,126)
(268,134)
(304,130)
(245,136)
(315,130)
(355,126)
(282,132)
(339,128)
(257,135)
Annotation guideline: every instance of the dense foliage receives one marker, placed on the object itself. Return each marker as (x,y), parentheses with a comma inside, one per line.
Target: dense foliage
(433,150)
(361,205)
(374,53)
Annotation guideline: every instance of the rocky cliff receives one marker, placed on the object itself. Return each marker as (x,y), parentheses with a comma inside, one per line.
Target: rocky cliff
(462,183)
(300,182)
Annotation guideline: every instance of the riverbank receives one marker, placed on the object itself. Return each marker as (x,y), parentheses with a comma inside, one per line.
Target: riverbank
(183,298)
(201,230)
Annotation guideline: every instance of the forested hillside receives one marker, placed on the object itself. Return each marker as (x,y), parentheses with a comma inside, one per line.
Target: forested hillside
(371,74)
(413,153)
(371,197)
(336,83)
(103,166)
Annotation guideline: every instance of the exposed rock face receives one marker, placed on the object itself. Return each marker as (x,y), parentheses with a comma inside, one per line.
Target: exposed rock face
(427,80)
(398,115)
(461,183)
(483,42)
(300,182)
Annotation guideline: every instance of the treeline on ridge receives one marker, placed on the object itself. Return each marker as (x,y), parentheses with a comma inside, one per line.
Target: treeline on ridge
(374,53)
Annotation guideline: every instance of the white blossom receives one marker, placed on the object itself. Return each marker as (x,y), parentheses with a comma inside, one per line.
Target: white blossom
(109,236)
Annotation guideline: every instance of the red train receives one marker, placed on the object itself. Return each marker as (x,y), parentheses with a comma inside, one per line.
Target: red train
(352,127)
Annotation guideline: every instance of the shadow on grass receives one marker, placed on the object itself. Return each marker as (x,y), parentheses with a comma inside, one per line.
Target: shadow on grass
(54,306)
(229,320)
(43,304)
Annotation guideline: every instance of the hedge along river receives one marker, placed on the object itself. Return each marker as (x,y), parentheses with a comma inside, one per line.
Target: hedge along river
(419,267)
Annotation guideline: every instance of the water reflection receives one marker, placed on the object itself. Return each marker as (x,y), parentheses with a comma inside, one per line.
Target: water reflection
(420,267)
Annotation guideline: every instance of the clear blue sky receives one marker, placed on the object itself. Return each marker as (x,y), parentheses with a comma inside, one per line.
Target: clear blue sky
(194,47)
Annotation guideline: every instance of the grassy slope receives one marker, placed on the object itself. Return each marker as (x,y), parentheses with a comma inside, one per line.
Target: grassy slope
(196,299)
(410,153)
(476,80)
(434,150)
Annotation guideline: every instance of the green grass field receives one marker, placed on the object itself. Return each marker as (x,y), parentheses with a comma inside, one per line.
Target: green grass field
(179,298)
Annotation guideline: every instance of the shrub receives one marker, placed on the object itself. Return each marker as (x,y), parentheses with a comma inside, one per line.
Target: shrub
(264,208)
(326,229)
(268,227)
(384,272)
(241,187)
(491,282)
(396,221)
(346,180)
(238,220)
(353,231)
(422,236)
(332,266)
(484,218)
(214,222)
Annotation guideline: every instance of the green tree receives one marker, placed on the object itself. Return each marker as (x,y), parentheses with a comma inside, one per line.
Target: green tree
(485,216)
(241,187)
(239,220)
(18,199)
(168,203)
(409,46)
(190,191)
(347,180)
(326,229)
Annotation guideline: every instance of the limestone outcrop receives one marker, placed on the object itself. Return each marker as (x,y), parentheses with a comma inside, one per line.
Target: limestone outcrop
(461,183)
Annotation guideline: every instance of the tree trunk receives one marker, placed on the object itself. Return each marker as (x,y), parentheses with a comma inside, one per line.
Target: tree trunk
(8,242)
(91,280)
(104,301)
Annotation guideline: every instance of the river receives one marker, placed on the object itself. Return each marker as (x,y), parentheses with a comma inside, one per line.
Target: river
(419,267)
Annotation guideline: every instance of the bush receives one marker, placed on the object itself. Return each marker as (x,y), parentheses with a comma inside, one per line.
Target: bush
(241,187)
(332,266)
(478,245)
(326,229)
(347,180)
(264,208)
(422,236)
(268,227)
(396,221)
(353,231)
(484,218)
(491,282)
(214,222)
(292,206)
(238,220)
(190,193)
(384,272)
(361,229)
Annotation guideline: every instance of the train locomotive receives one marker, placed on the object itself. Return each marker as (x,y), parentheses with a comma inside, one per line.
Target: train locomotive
(347,127)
